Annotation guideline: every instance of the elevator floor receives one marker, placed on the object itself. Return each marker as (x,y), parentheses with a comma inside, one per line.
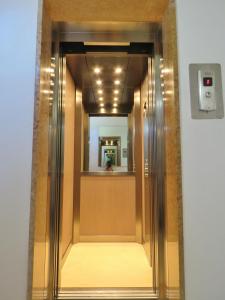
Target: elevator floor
(91,265)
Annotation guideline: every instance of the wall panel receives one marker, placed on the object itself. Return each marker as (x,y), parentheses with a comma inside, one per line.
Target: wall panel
(40,167)
(107,207)
(173,198)
(200,33)
(124,10)
(68,173)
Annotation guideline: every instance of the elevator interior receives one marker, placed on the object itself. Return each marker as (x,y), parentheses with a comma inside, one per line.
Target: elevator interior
(102,231)
(61,23)
(105,223)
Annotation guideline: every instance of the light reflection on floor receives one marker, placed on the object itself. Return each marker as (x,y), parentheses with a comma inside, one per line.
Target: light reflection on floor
(106,265)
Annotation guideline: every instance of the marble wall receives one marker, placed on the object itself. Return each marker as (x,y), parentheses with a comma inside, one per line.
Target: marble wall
(40,181)
(173,204)
(110,10)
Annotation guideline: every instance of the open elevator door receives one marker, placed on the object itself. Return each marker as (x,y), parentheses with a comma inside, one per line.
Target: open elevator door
(152,121)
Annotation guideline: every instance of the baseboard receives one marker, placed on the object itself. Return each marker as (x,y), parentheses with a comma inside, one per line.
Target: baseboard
(107,238)
(107,293)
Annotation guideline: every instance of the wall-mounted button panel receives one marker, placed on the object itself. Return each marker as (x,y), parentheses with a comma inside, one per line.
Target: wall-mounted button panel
(206,91)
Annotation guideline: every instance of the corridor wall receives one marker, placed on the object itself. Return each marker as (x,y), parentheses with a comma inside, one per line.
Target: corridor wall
(200,26)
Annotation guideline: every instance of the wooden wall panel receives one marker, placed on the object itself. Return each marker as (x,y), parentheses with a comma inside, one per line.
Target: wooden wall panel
(107,206)
(68,178)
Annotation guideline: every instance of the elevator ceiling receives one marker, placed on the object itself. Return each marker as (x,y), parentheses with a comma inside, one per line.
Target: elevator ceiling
(107,80)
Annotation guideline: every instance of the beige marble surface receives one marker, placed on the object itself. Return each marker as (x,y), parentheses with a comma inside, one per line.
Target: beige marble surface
(174,230)
(110,10)
(37,276)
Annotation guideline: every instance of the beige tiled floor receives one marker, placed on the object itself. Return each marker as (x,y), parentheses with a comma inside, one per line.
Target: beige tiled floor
(106,265)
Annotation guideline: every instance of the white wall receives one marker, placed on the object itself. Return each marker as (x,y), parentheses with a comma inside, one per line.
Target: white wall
(201,39)
(17,71)
(107,126)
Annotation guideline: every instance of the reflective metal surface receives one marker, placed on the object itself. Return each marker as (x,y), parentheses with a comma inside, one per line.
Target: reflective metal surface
(56,138)
(133,68)
(108,173)
(158,171)
(147,97)
(108,32)
(126,293)
(156,174)
(78,142)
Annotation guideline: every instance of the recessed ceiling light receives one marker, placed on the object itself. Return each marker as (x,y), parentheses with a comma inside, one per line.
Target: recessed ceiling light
(115,98)
(114,110)
(115,104)
(99,82)
(117,82)
(101,104)
(118,70)
(100,99)
(102,110)
(116,92)
(97,70)
(100,92)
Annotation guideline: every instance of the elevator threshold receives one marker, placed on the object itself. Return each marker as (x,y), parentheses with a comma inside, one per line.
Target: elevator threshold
(106,271)
(83,294)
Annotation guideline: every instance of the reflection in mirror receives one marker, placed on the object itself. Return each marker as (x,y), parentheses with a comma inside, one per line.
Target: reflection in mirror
(108,144)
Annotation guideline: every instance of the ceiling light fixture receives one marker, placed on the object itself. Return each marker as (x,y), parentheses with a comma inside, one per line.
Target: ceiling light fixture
(99,82)
(101,104)
(115,98)
(100,99)
(115,104)
(117,82)
(97,70)
(118,70)
(116,92)
(100,92)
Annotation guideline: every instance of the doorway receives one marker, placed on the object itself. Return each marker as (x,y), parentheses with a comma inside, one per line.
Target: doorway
(105,221)
(142,163)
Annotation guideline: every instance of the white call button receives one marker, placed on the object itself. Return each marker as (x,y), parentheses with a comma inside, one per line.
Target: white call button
(208,94)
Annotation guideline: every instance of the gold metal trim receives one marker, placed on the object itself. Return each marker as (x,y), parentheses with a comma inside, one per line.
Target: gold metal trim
(107,238)
(108,173)
(106,44)
(107,293)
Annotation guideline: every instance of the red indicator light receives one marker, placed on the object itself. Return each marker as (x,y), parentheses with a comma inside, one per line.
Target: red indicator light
(207,81)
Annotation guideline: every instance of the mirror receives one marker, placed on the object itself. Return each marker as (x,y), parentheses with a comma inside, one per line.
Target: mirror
(108,144)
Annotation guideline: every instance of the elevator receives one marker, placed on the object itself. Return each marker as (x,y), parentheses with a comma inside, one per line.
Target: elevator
(106,223)
(109,205)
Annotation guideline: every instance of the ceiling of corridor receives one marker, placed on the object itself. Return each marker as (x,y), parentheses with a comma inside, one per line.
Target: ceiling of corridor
(107,80)
(108,10)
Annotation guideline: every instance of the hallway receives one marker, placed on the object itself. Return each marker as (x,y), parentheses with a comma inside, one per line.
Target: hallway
(106,265)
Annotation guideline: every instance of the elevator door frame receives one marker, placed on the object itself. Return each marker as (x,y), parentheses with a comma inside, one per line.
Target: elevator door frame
(156,174)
